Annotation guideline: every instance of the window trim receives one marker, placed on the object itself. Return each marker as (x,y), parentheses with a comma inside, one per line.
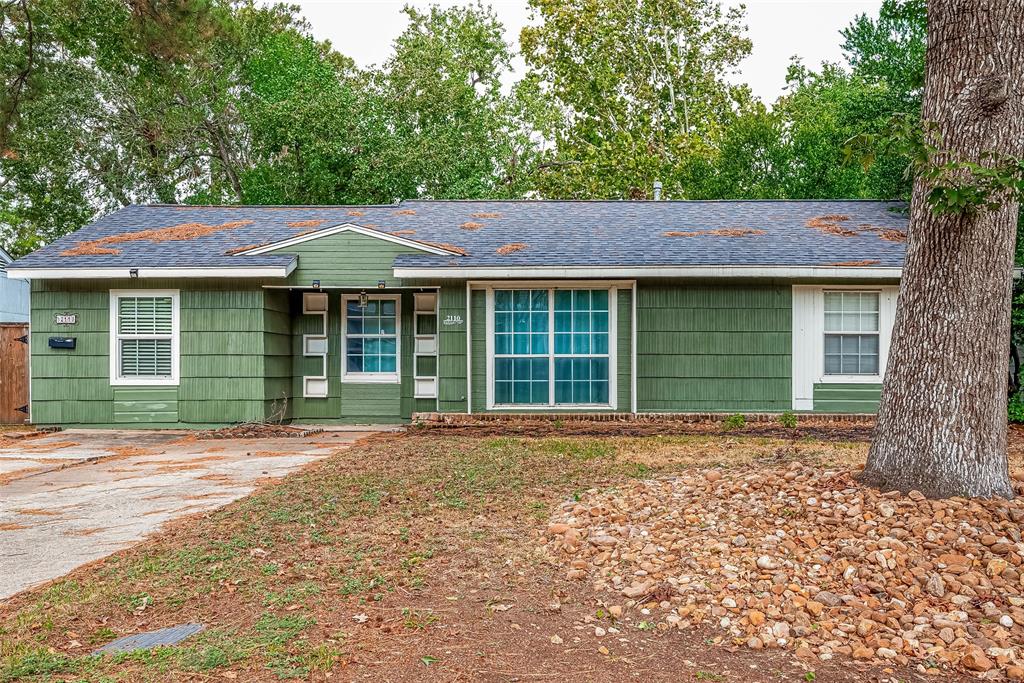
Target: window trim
(417,379)
(846,378)
(808,338)
(550,287)
(116,379)
(371,377)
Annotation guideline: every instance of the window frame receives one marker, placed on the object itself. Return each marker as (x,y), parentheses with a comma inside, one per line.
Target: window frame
(420,381)
(116,379)
(845,376)
(551,356)
(371,377)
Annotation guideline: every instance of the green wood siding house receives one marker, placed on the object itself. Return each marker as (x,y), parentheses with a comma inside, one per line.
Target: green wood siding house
(175,315)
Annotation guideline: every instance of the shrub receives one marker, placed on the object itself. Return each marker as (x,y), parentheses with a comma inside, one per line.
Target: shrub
(1015,410)
(788,419)
(736,421)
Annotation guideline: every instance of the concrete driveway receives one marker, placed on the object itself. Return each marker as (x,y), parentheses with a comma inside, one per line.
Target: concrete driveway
(75,496)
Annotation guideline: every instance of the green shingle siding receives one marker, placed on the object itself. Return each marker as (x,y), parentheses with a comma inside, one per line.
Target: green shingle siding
(624,350)
(346,260)
(349,402)
(700,347)
(451,350)
(847,398)
(153,405)
(222,357)
(478,340)
(715,348)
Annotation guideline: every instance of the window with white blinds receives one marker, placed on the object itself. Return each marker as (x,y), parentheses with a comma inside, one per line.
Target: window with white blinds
(145,340)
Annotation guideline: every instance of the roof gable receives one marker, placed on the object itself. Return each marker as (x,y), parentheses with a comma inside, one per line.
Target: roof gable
(429,248)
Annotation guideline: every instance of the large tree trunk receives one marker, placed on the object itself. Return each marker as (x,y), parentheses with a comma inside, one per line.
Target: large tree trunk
(942,421)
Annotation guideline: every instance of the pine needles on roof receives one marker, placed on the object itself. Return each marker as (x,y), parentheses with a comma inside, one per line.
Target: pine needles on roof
(510,248)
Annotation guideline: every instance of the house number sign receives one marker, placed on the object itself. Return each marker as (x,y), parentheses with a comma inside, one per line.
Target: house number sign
(65,318)
(452,319)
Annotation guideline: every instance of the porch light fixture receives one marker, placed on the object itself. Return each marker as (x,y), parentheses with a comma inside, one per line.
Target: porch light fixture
(380,284)
(316,284)
(364,299)
(133,273)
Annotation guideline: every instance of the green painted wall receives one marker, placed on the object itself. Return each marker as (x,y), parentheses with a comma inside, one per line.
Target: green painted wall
(224,369)
(701,347)
(277,355)
(478,341)
(241,360)
(451,338)
(155,405)
(847,398)
(624,349)
(478,321)
(345,260)
(222,364)
(714,348)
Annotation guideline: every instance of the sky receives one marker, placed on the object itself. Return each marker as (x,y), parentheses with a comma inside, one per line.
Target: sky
(779,29)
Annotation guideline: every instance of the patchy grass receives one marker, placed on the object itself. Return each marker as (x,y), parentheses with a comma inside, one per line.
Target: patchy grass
(382,559)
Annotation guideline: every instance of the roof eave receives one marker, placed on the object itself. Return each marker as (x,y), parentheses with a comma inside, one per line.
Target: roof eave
(729,272)
(125,272)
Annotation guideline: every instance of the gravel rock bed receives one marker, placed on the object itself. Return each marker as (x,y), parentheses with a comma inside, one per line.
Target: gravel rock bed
(796,557)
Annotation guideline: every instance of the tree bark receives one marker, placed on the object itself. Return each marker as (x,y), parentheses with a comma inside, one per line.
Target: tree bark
(942,420)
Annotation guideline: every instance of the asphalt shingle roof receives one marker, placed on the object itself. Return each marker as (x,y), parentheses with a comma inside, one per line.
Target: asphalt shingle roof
(555,233)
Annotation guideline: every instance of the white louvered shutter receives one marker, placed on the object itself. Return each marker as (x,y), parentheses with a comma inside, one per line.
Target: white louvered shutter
(145,329)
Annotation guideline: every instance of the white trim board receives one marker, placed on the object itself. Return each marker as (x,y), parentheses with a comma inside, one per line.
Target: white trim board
(631,272)
(124,272)
(347,227)
(808,339)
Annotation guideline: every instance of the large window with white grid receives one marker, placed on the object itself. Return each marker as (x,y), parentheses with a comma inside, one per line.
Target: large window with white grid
(551,347)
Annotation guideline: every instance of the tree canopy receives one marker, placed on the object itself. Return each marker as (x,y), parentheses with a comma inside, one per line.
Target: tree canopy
(108,102)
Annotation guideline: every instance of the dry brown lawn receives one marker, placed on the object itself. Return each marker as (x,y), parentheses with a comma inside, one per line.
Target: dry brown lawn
(407,557)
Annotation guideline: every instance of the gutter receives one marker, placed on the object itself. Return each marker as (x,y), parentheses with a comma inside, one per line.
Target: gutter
(124,273)
(633,272)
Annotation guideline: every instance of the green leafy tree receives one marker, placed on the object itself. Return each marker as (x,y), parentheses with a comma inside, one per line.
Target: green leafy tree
(299,105)
(638,87)
(437,123)
(822,113)
(890,49)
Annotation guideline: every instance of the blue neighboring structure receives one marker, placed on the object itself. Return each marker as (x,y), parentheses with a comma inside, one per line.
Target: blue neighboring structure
(14,295)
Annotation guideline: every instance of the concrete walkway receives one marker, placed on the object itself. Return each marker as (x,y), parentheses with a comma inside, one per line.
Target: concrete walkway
(80,495)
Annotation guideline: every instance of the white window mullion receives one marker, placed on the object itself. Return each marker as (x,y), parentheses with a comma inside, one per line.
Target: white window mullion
(551,347)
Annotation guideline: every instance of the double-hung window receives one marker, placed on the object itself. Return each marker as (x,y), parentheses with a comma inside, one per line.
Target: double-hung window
(852,333)
(371,339)
(144,337)
(551,347)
